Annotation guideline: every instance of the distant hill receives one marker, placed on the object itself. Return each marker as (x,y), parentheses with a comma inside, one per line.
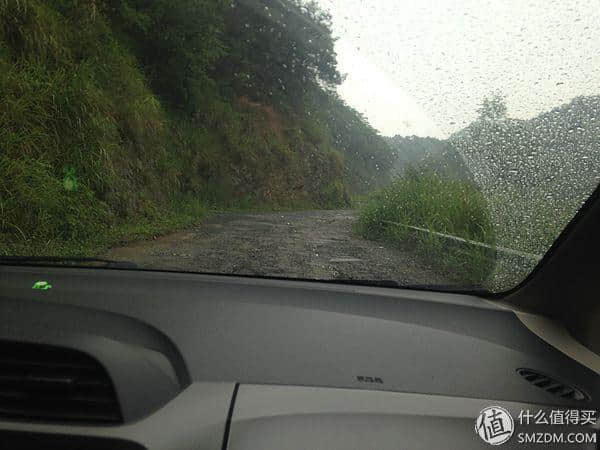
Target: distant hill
(555,154)
(535,173)
(430,154)
(411,150)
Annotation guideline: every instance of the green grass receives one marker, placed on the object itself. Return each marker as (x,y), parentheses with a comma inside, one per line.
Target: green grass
(180,213)
(447,206)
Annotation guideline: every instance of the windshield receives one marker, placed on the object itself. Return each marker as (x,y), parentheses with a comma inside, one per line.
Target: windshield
(432,144)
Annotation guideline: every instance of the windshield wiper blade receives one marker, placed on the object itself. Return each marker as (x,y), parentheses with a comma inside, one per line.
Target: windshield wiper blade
(66,261)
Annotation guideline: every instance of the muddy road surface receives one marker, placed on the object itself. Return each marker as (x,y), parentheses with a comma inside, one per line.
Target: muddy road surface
(302,244)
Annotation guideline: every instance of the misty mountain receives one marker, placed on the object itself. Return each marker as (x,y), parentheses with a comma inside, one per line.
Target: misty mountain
(555,153)
(535,173)
(428,154)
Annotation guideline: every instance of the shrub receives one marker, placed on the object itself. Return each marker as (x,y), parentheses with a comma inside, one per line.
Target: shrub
(433,203)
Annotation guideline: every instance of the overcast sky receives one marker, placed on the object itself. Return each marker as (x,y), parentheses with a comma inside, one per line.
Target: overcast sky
(423,66)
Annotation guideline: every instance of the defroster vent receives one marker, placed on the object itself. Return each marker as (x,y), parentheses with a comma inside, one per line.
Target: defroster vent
(553,386)
(53,384)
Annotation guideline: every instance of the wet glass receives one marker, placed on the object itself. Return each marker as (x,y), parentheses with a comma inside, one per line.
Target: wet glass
(443,145)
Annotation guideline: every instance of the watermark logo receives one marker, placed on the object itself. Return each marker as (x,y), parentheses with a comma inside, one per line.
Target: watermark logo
(494,425)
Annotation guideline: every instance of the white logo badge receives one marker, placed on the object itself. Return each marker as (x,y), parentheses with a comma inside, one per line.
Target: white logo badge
(494,425)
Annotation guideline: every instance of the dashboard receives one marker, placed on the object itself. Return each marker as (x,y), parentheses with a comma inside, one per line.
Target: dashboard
(217,362)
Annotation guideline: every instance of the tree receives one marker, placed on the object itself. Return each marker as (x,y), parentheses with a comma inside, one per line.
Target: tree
(278,51)
(493,108)
(176,41)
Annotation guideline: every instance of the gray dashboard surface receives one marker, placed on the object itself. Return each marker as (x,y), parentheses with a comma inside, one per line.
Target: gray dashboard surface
(231,329)
(300,418)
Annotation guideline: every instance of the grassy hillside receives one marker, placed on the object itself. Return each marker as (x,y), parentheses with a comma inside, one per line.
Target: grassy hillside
(125,118)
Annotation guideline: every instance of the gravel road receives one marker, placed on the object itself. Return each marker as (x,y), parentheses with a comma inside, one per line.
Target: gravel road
(303,244)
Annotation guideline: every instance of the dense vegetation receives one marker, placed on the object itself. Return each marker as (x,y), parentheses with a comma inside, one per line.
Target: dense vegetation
(432,202)
(124,118)
(433,189)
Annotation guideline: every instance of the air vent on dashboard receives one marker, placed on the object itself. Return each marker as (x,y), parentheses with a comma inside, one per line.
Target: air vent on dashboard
(47,383)
(552,386)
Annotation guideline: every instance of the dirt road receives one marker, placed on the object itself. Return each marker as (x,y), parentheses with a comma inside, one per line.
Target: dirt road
(303,244)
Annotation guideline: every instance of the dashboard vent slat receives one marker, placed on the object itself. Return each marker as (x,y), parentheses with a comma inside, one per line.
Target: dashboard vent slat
(53,384)
(552,386)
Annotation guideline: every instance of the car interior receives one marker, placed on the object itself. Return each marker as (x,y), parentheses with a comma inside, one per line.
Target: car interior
(299,225)
(114,358)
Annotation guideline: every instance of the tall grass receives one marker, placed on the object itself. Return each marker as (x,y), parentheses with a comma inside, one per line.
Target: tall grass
(179,212)
(71,104)
(429,201)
